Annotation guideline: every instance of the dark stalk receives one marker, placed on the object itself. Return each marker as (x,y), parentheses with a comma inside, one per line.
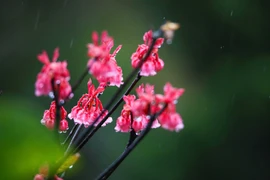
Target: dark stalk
(72,131)
(74,137)
(57,105)
(77,84)
(132,134)
(107,172)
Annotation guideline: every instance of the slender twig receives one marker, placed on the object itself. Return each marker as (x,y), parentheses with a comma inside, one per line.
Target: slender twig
(56,92)
(74,137)
(107,172)
(75,127)
(77,84)
(132,134)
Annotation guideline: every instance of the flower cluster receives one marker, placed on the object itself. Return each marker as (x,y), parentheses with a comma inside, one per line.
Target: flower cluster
(153,63)
(102,65)
(136,112)
(139,114)
(55,73)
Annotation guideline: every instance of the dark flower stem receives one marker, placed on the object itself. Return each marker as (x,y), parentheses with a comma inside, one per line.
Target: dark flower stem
(58,106)
(72,131)
(74,137)
(77,84)
(132,134)
(107,172)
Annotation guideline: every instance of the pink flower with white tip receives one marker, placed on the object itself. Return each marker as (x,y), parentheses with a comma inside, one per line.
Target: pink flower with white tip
(56,71)
(49,117)
(153,63)
(89,107)
(103,65)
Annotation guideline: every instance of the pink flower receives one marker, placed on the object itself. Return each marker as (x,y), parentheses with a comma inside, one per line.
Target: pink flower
(49,117)
(170,119)
(89,107)
(103,65)
(153,63)
(56,71)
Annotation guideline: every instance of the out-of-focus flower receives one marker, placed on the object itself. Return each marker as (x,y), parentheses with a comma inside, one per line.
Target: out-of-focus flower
(56,71)
(89,107)
(153,63)
(168,29)
(102,65)
(49,117)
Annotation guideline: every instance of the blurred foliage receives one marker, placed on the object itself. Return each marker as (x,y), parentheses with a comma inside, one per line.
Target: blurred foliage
(220,56)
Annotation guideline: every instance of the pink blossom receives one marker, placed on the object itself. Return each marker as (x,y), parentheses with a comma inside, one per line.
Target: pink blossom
(153,63)
(56,71)
(170,119)
(89,107)
(102,65)
(49,117)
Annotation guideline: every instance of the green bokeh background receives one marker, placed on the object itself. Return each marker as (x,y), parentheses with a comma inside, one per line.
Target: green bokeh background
(220,56)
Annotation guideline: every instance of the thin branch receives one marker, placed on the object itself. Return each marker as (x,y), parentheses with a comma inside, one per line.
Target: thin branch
(132,134)
(74,137)
(107,172)
(70,134)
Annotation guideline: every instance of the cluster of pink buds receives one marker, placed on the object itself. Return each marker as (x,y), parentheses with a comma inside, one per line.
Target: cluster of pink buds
(139,114)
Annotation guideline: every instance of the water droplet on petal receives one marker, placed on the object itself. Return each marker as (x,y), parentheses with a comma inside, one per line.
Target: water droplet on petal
(51,95)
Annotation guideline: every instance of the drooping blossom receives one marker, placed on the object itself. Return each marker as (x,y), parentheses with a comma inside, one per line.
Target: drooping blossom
(49,118)
(52,70)
(153,63)
(137,112)
(102,65)
(89,107)
(170,119)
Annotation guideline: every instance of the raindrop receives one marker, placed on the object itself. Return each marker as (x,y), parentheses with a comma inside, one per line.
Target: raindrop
(22,2)
(231,13)
(60,132)
(51,95)
(71,43)
(222,47)
(37,20)
(164,18)
(264,69)
(169,41)
(71,95)
(70,167)
(57,82)
(61,101)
